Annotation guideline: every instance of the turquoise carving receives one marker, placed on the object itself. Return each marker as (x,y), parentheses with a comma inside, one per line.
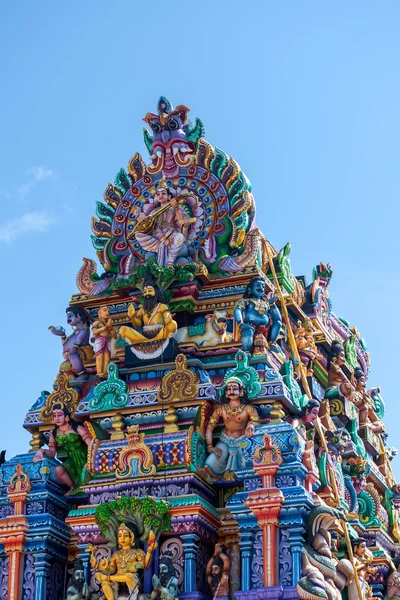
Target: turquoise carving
(109,394)
(246,373)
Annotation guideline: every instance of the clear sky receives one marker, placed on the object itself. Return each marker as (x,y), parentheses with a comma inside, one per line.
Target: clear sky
(304,95)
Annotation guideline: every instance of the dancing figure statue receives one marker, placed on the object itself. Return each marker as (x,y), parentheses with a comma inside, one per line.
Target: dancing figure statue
(240,419)
(75,347)
(257,315)
(124,564)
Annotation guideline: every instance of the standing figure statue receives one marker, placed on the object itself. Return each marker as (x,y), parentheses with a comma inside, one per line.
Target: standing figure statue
(365,404)
(123,565)
(103,331)
(151,322)
(339,385)
(306,345)
(256,314)
(304,424)
(78,589)
(76,347)
(163,226)
(73,440)
(363,558)
(240,419)
(217,572)
(165,586)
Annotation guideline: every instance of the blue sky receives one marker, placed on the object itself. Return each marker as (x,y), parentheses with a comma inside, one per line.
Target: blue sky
(304,95)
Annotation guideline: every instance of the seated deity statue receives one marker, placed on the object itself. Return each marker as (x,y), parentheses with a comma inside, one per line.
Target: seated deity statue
(151,322)
(75,347)
(124,564)
(163,226)
(240,419)
(255,314)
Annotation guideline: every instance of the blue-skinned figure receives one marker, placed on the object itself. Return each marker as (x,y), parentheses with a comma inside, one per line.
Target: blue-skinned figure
(255,313)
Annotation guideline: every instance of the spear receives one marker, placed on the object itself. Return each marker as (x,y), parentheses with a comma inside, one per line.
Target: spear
(318,427)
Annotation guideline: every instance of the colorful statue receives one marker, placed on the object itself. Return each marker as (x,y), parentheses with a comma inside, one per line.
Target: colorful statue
(163,226)
(393,584)
(256,314)
(78,589)
(304,425)
(152,322)
(362,565)
(103,331)
(165,586)
(72,439)
(124,564)
(323,576)
(240,419)
(338,384)
(217,572)
(76,347)
(308,350)
(365,404)
(330,463)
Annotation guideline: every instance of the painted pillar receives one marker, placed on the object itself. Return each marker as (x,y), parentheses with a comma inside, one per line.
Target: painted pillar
(265,503)
(42,569)
(13,531)
(85,558)
(190,544)
(246,548)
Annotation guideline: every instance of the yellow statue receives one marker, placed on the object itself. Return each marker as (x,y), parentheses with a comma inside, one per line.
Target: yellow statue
(152,321)
(103,331)
(124,564)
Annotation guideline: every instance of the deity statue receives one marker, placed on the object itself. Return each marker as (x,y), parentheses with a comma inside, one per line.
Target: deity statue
(393,584)
(330,463)
(256,314)
(240,419)
(76,347)
(305,343)
(124,564)
(78,589)
(152,321)
(365,404)
(339,385)
(323,575)
(362,565)
(217,572)
(165,586)
(304,424)
(103,331)
(73,440)
(163,226)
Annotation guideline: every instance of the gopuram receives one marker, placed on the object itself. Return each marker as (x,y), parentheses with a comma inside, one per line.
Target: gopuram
(211,431)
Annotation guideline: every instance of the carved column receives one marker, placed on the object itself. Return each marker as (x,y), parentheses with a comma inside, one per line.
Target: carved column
(85,558)
(190,543)
(265,503)
(14,529)
(246,548)
(42,569)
